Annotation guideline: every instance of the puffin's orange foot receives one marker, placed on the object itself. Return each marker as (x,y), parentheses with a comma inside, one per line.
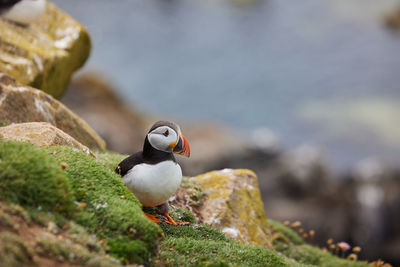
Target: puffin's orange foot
(172,222)
(152,218)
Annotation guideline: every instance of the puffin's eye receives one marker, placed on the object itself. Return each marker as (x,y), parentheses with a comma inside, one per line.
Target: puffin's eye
(166,133)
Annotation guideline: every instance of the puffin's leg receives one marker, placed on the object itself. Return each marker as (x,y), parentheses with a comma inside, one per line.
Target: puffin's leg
(152,218)
(171,221)
(164,208)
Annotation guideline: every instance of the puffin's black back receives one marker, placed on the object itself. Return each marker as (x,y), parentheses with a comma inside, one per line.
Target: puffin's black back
(149,155)
(5,4)
(128,163)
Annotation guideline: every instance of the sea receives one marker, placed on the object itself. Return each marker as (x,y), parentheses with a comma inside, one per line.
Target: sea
(320,73)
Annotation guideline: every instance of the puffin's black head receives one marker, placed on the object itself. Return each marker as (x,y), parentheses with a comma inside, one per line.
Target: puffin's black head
(167,136)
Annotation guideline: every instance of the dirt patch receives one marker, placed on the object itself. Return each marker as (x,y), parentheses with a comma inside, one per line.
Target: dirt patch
(28,243)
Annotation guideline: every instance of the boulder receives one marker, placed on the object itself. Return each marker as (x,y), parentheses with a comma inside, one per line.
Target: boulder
(233,204)
(40,134)
(25,104)
(46,53)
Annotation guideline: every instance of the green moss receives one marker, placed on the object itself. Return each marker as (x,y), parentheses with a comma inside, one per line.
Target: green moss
(119,220)
(194,231)
(292,246)
(79,235)
(182,214)
(30,177)
(13,251)
(307,254)
(54,248)
(193,190)
(110,160)
(177,213)
(201,245)
(44,217)
(190,252)
(283,233)
(127,249)
(76,246)
(66,250)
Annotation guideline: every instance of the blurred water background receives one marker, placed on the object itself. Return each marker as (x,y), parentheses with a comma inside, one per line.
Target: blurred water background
(319,72)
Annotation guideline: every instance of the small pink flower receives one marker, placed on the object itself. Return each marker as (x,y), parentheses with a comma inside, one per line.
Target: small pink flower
(344,246)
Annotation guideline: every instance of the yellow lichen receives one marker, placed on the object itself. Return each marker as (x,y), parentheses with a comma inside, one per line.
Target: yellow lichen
(46,53)
(233,202)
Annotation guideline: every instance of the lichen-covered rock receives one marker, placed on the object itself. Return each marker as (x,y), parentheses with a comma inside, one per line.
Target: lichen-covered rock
(46,53)
(41,134)
(233,204)
(25,104)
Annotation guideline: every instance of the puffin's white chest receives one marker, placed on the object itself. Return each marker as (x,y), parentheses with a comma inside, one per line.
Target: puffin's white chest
(26,11)
(154,184)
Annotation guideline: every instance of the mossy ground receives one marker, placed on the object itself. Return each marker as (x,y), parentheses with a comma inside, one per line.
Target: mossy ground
(78,198)
(26,242)
(110,209)
(85,191)
(289,244)
(13,250)
(30,177)
(200,245)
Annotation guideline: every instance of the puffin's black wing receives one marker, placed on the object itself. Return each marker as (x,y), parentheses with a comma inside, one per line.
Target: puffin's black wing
(128,163)
(7,3)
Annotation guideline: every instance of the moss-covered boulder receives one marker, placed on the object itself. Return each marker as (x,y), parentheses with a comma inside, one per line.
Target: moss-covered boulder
(110,209)
(233,204)
(61,184)
(32,178)
(41,134)
(44,54)
(20,103)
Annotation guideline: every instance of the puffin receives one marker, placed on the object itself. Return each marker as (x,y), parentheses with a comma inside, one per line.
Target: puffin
(153,175)
(23,12)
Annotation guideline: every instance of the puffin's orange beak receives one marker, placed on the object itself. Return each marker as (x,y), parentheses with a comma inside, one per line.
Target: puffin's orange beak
(182,147)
